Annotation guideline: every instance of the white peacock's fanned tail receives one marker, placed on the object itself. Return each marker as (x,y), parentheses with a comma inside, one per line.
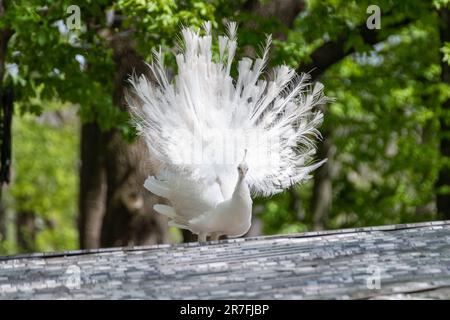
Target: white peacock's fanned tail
(201,122)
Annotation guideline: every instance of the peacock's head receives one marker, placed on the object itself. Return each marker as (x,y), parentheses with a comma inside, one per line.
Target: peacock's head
(243,167)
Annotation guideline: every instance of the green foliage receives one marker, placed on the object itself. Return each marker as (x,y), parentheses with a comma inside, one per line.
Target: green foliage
(46,59)
(158,21)
(389,154)
(56,66)
(384,121)
(446,52)
(286,212)
(45,175)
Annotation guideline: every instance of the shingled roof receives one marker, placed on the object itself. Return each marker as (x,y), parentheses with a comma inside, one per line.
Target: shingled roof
(398,261)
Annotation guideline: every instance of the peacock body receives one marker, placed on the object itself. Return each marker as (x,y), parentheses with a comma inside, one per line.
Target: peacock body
(215,141)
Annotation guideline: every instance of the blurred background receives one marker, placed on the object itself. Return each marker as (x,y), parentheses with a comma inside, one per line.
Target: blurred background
(72,169)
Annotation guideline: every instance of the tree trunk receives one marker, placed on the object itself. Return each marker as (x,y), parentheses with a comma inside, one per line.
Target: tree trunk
(26,231)
(322,190)
(322,58)
(3,228)
(5,35)
(129,218)
(284,10)
(92,194)
(443,196)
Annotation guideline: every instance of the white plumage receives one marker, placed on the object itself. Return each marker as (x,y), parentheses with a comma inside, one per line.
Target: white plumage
(205,130)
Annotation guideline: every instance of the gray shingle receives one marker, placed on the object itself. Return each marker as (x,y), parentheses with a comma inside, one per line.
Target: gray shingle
(406,261)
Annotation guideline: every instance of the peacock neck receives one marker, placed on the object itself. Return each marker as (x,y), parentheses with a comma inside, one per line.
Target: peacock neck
(241,191)
(241,205)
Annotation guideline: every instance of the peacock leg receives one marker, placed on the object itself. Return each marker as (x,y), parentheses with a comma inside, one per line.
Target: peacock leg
(215,236)
(202,237)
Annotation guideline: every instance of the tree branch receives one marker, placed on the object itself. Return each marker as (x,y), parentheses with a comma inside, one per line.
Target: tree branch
(334,51)
(284,10)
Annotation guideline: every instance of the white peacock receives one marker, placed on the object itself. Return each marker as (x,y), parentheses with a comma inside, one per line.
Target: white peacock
(215,141)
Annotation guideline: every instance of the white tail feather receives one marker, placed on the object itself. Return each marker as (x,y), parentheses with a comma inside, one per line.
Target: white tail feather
(204,106)
(165,210)
(157,187)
